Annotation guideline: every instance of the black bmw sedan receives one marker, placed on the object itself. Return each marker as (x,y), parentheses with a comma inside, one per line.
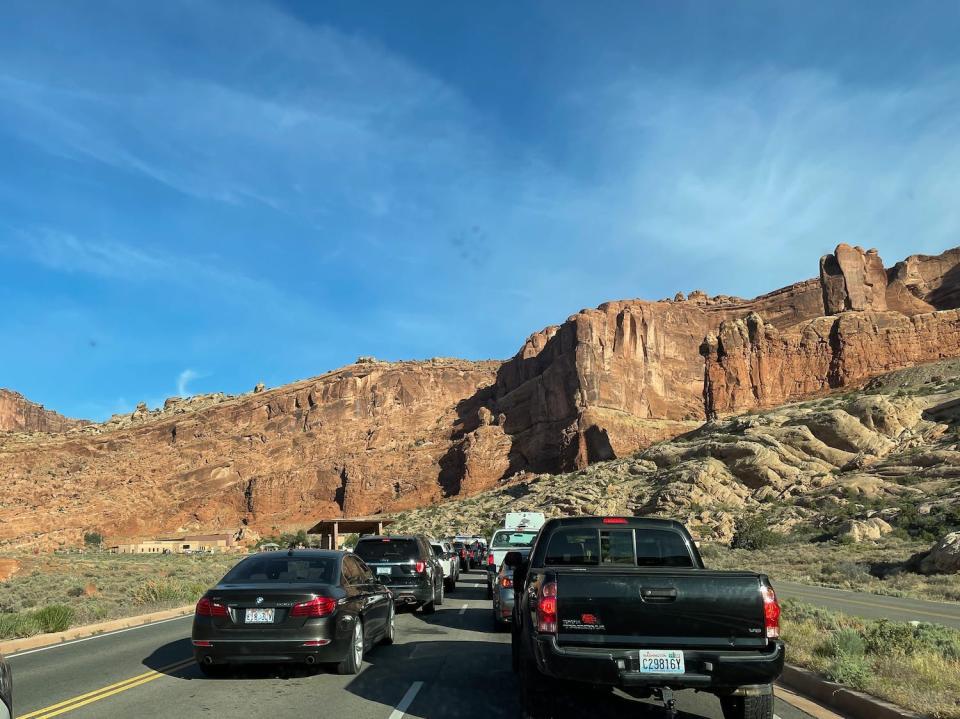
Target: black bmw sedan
(303,605)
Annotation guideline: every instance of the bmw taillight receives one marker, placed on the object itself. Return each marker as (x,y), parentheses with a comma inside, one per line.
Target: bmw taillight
(316,607)
(208,608)
(420,567)
(547,608)
(771,612)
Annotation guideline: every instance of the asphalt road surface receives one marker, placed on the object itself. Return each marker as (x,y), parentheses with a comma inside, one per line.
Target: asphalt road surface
(872,606)
(451,664)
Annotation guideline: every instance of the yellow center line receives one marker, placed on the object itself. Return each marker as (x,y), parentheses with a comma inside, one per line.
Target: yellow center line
(104,692)
(878,606)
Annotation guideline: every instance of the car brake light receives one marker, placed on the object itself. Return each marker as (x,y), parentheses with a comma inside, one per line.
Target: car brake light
(420,567)
(316,607)
(614,520)
(208,608)
(202,643)
(316,643)
(506,582)
(547,608)
(771,612)
(490,560)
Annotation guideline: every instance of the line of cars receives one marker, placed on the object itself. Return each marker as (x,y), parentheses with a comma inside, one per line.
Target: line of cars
(320,607)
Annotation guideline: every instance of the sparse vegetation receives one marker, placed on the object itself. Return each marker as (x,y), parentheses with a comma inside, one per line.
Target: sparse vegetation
(753,533)
(876,567)
(54,592)
(917,667)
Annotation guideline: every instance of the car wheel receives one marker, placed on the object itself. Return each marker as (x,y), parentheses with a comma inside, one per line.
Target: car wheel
(754,707)
(449,584)
(354,659)
(514,650)
(489,590)
(438,595)
(431,606)
(390,635)
(215,671)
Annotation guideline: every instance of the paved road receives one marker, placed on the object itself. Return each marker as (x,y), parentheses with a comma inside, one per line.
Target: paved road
(872,606)
(450,665)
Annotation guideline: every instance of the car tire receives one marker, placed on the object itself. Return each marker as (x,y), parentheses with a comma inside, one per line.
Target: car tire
(390,633)
(438,598)
(215,671)
(489,590)
(354,659)
(449,584)
(514,650)
(538,695)
(431,606)
(752,707)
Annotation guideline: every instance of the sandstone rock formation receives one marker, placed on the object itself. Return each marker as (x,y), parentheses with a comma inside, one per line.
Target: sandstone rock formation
(362,439)
(18,414)
(380,436)
(797,465)
(853,280)
(944,556)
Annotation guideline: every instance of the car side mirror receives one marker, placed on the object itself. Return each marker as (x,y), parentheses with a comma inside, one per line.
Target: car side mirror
(513,560)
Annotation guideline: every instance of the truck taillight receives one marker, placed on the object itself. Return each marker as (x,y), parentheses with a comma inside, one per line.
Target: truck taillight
(209,608)
(547,608)
(490,562)
(316,607)
(771,612)
(419,567)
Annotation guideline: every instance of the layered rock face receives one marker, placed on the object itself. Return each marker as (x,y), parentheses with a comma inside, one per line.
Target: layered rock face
(751,363)
(18,414)
(380,436)
(365,438)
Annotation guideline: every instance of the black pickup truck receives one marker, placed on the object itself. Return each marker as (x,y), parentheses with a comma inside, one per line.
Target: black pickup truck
(626,602)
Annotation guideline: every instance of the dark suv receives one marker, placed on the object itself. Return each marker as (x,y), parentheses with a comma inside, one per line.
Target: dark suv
(408,566)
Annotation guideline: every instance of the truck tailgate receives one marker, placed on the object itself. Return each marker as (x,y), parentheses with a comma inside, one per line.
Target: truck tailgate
(653,608)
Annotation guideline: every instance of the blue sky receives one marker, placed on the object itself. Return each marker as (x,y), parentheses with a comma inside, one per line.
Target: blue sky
(197,196)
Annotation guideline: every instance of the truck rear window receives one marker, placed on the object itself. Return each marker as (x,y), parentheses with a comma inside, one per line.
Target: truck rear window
(574,546)
(386,550)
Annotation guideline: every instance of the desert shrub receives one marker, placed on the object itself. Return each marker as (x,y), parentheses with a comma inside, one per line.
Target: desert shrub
(75,592)
(159,591)
(753,533)
(852,670)
(17,624)
(55,618)
(93,539)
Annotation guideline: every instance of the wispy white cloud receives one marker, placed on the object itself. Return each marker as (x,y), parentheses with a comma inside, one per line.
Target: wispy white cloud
(183,379)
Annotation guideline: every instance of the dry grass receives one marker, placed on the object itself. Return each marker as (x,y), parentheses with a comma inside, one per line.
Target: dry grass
(52,592)
(844,566)
(917,667)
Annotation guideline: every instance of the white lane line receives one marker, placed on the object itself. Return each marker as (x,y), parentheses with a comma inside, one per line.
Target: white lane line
(407,700)
(463,608)
(97,636)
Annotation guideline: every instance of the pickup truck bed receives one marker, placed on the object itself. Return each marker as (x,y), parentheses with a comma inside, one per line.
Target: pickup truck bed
(627,602)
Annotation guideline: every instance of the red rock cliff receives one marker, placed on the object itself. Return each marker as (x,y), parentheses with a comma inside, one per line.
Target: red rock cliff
(18,414)
(752,364)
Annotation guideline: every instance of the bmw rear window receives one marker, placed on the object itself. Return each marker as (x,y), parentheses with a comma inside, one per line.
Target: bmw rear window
(283,570)
(387,550)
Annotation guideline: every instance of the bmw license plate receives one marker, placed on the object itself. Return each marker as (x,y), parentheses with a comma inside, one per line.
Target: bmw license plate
(661,661)
(258,616)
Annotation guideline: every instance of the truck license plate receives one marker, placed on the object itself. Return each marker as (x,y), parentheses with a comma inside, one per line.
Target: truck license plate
(661,661)
(258,616)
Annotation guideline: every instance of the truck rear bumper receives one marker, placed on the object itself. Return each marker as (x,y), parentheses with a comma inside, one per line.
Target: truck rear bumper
(714,670)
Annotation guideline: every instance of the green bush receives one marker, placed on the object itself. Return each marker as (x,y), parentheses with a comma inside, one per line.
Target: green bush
(17,624)
(851,670)
(753,533)
(159,591)
(55,618)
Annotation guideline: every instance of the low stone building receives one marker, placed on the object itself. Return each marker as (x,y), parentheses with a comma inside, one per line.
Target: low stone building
(187,544)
